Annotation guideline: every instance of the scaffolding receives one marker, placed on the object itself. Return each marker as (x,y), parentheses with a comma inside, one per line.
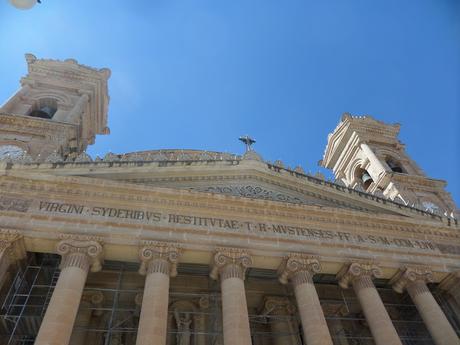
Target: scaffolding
(113,319)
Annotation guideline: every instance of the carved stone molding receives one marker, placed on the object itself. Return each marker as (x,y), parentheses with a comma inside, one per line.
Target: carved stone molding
(14,204)
(12,245)
(299,268)
(203,302)
(275,305)
(84,254)
(335,309)
(230,263)
(410,275)
(159,257)
(90,191)
(356,270)
(256,192)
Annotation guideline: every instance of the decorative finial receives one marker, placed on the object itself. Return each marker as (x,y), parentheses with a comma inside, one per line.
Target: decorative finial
(248,141)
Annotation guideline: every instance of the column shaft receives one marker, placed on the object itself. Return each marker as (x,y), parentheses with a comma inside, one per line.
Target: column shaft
(377,317)
(83,320)
(154,313)
(432,314)
(57,325)
(234,307)
(230,265)
(314,324)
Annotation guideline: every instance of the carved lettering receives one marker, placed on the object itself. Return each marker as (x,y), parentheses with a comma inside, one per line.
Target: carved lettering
(14,204)
(226,224)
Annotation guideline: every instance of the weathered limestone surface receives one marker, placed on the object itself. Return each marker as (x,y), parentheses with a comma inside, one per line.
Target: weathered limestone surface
(77,258)
(414,279)
(360,276)
(299,269)
(230,265)
(11,251)
(159,261)
(202,200)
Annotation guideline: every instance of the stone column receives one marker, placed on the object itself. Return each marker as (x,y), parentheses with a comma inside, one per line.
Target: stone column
(89,300)
(230,265)
(158,263)
(11,251)
(78,256)
(414,280)
(299,269)
(360,275)
(279,312)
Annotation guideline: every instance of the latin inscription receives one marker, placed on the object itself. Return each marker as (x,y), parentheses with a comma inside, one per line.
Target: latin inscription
(14,204)
(233,225)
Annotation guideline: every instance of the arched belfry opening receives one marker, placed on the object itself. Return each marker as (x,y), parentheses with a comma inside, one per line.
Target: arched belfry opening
(394,165)
(364,178)
(44,108)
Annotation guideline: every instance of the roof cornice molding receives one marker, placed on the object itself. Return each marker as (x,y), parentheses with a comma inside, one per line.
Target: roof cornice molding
(92,190)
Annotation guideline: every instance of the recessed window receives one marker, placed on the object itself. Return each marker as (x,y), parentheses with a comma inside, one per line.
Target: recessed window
(45,108)
(394,165)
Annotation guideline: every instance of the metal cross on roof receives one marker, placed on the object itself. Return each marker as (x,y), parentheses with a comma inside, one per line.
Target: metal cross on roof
(248,141)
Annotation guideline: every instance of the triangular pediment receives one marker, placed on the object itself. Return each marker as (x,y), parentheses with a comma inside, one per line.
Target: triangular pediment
(225,175)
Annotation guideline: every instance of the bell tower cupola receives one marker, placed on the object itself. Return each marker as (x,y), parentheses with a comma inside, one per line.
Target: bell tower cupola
(59,108)
(366,154)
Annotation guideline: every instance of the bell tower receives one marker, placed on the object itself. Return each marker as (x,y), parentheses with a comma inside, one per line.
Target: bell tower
(59,108)
(366,154)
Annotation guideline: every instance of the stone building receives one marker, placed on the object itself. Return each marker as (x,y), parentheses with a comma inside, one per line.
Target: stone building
(185,247)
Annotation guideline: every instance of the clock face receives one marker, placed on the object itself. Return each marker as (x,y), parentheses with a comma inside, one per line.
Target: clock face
(10,151)
(430,206)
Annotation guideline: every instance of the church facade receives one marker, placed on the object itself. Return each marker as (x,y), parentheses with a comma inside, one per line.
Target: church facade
(187,247)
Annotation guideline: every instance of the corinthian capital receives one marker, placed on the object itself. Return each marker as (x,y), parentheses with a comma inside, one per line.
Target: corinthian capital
(409,275)
(159,257)
(356,270)
(83,253)
(11,245)
(298,263)
(230,262)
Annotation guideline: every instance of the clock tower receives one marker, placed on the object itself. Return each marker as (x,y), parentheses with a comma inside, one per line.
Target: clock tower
(59,108)
(366,154)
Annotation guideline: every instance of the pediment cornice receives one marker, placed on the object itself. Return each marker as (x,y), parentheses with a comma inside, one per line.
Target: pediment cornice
(87,190)
(217,173)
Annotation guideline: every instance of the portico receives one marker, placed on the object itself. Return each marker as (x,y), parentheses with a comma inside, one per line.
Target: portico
(190,247)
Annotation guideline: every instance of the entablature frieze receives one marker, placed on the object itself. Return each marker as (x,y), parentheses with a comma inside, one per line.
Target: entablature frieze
(84,207)
(225,205)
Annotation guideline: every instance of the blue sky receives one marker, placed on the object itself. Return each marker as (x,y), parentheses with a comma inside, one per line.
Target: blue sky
(198,74)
